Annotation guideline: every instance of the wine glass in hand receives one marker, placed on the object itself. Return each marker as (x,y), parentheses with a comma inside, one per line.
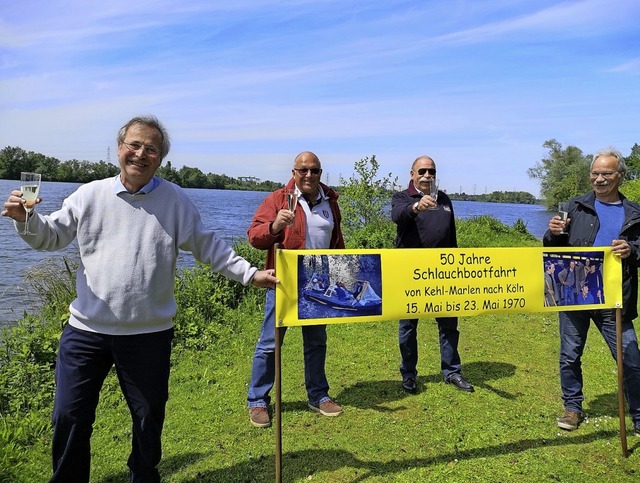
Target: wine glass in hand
(292,200)
(30,187)
(433,192)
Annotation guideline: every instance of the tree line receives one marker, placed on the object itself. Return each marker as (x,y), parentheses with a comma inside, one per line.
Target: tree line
(14,160)
(519,197)
(563,173)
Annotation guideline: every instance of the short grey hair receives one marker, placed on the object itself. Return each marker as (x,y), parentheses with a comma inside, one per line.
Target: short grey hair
(419,158)
(611,151)
(152,122)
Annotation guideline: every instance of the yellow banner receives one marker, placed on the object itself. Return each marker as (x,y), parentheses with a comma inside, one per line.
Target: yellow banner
(337,286)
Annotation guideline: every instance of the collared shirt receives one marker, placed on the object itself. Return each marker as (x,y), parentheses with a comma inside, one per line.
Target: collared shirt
(145,190)
(319,220)
(418,190)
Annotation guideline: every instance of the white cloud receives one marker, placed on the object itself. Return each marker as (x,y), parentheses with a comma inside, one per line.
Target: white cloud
(631,66)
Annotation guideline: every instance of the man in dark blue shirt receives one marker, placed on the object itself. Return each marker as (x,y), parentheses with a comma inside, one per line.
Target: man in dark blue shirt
(425,222)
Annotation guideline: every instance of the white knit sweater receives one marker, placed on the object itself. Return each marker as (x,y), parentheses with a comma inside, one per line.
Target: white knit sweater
(128,249)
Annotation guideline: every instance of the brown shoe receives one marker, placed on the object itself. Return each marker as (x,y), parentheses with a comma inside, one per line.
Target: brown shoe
(570,420)
(327,408)
(259,417)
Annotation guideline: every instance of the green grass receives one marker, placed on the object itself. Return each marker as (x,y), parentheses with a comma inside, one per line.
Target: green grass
(505,431)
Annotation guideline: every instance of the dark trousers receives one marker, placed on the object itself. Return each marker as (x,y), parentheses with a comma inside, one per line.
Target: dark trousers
(449,337)
(84,360)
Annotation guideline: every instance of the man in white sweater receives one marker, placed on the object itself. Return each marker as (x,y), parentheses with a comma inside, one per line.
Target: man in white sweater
(128,229)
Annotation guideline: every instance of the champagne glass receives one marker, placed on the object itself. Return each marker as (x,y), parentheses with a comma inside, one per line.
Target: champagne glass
(433,192)
(30,187)
(292,200)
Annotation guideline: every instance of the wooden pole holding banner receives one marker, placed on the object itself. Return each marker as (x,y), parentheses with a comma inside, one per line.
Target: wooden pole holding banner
(623,426)
(277,413)
(278,407)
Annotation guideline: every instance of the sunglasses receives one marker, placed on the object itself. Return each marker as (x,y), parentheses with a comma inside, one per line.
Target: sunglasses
(304,171)
(431,171)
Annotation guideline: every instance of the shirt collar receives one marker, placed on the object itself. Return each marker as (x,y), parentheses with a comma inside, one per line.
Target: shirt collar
(413,190)
(321,193)
(319,199)
(145,190)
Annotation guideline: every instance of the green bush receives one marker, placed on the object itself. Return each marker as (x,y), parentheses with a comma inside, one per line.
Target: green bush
(206,301)
(27,358)
(486,231)
(631,189)
(17,433)
(364,204)
(381,236)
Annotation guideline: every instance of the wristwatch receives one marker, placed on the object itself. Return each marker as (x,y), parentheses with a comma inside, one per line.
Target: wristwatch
(415,207)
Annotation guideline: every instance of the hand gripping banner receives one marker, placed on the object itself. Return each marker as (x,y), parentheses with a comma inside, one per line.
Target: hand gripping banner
(338,286)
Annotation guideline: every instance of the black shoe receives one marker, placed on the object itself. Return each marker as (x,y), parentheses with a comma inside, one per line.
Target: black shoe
(409,385)
(460,382)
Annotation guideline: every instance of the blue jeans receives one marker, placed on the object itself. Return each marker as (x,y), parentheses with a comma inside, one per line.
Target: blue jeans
(84,359)
(569,295)
(449,337)
(314,339)
(573,337)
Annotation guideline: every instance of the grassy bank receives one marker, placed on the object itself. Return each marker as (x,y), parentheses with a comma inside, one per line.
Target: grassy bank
(505,431)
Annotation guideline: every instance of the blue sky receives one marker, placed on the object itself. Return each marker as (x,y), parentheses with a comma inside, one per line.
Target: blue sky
(243,86)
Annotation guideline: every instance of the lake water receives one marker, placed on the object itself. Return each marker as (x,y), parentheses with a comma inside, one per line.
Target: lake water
(227,212)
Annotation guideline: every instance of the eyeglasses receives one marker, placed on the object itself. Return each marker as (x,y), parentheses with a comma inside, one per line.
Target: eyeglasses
(304,171)
(431,171)
(604,174)
(134,147)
